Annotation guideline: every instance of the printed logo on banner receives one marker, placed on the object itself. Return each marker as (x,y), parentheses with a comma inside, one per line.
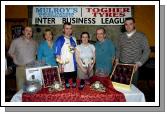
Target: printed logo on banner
(80,15)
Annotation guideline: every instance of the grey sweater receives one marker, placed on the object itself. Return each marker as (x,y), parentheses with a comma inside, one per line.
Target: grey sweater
(133,49)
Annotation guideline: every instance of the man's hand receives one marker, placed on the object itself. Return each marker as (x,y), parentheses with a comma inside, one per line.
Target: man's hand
(58,59)
(137,65)
(115,62)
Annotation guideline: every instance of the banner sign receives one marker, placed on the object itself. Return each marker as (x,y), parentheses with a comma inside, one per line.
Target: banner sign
(80,15)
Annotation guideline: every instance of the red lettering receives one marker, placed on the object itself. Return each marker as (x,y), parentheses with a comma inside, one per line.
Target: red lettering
(122,14)
(115,14)
(125,9)
(104,10)
(88,9)
(108,12)
(96,9)
(94,14)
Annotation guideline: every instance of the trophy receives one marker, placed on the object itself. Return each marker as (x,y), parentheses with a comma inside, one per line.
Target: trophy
(87,63)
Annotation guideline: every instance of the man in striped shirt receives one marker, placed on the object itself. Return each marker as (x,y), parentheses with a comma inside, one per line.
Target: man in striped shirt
(132,47)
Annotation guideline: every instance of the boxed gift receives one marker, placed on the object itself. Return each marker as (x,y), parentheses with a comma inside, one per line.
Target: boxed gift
(50,75)
(122,75)
(35,72)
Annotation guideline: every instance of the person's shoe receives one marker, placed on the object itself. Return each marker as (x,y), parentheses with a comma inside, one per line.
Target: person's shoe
(74,85)
(87,82)
(67,85)
(81,87)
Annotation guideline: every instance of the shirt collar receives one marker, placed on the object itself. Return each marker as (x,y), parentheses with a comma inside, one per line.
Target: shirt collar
(131,33)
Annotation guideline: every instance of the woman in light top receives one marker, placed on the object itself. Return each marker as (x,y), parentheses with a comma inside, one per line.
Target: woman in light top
(46,49)
(85,57)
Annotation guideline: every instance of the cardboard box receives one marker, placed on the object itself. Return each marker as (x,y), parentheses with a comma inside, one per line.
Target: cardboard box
(122,75)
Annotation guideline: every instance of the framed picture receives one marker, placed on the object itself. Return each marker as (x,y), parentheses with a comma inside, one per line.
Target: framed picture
(50,75)
(17,31)
(122,75)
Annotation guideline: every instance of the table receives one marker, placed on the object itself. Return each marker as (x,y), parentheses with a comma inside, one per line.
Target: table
(76,95)
(135,95)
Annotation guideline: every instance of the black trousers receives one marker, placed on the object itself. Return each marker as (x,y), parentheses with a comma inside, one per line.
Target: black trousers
(82,82)
(69,75)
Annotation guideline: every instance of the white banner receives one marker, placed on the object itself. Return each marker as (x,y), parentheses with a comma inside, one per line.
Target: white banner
(80,15)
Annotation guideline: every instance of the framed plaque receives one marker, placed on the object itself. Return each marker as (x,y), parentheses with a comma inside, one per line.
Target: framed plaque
(122,75)
(50,75)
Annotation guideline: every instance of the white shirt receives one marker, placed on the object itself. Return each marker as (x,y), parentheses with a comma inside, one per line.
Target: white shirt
(86,53)
(67,56)
(131,33)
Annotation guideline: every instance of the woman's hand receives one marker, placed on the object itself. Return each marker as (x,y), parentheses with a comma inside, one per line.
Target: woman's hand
(90,67)
(84,70)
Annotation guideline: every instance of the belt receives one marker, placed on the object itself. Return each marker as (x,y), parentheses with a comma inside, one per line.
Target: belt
(21,65)
(125,62)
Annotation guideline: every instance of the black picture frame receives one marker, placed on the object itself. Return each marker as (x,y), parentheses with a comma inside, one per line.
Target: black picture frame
(122,73)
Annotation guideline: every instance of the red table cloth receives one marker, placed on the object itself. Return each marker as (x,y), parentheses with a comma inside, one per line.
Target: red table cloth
(76,95)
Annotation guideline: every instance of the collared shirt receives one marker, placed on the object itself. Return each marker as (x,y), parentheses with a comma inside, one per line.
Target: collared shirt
(105,52)
(131,33)
(23,50)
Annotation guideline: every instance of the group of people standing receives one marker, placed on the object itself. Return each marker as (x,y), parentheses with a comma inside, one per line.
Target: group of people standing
(79,60)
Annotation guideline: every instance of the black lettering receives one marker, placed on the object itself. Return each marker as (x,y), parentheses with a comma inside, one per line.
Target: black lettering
(79,20)
(53,20)
(64,20)
(111,21)
(93,21)
(38,20)
(45,21)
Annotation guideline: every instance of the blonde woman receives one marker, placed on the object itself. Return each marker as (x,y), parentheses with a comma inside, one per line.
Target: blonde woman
(46,49)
